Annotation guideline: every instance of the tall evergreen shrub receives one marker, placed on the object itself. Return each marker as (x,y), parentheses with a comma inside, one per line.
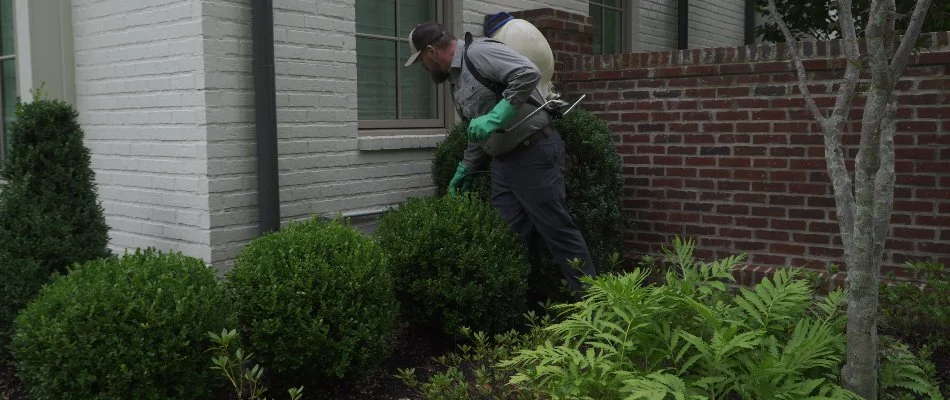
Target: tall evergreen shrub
(50,216)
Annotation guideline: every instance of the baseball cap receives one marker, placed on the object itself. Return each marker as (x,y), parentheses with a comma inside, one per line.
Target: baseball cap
(421,36)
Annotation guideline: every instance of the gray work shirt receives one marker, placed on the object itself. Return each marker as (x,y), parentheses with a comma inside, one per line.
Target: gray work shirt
(497,63)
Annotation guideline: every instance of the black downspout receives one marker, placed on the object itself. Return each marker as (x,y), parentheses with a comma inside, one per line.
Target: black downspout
(682,24)
(749,21)
(265,112)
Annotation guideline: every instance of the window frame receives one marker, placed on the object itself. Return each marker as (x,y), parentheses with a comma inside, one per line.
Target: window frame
(13,56)
(377,127)
(626,9)
(3,126)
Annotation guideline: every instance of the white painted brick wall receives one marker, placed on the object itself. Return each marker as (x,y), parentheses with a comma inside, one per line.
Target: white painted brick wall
(139,74)
(716,24)
(475,10)
(229,95)
(657,25)
(711,24)
(322,170)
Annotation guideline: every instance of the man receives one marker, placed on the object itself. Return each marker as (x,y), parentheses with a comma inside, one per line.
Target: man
(527,162)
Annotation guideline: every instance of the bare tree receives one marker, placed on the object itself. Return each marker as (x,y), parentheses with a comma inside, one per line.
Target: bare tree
(864,206)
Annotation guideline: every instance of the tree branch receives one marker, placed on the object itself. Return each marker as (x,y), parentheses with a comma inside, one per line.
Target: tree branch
(792,45)
(867,162)
(881,77)
(910,37)
(848,33)
(852,72)
(834,155)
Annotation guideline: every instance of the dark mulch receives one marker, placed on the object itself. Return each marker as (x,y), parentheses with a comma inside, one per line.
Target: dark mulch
(411,348)
(10,388)
(942,363)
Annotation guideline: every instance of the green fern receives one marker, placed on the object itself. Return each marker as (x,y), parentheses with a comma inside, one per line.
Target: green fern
(690,338)
(662,386)
(680,253)
(773,305)
(902,374)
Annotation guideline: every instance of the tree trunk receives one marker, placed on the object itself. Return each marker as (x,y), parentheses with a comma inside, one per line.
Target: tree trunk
(864,208)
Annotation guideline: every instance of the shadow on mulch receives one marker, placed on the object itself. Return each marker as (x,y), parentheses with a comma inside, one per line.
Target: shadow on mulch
(411,348)
(10,387)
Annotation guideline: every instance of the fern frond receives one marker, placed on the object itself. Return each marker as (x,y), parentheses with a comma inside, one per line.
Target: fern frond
(775,303)
(680,254)
(901,372)
(661,386)
(722,269)
(812,345)
(726,342)
(831,309)
(834,392)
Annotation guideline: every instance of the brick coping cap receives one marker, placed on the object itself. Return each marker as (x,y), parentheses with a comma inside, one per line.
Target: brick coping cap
(933,42)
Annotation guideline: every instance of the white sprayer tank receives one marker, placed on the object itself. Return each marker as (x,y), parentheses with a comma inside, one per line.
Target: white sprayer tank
(527,40)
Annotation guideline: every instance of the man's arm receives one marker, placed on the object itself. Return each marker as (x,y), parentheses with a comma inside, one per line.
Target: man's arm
(473,157)
(500,63)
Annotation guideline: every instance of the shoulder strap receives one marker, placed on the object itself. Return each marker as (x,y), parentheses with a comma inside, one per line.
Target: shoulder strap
(495,87)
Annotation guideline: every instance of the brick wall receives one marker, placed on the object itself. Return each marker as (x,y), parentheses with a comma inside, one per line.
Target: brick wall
(138,92)
(325,166)
(228,83)
(717,144)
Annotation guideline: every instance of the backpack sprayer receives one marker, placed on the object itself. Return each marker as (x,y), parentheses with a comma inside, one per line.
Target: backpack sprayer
(524,38)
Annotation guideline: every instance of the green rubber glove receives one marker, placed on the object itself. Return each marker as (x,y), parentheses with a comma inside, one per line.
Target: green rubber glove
(479,129)
(460,173)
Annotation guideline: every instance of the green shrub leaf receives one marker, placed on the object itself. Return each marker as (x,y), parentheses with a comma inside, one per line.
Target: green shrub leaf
(129,327)
(315,301)
(455,263)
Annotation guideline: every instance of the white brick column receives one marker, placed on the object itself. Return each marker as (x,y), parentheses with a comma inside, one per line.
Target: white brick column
(139,91)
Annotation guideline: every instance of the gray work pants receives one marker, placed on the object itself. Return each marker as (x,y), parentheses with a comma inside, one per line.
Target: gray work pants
(528,191)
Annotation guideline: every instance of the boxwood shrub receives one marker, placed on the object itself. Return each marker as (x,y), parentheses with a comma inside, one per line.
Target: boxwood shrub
(455,263)
(50,215)
(130,327)
(314,302)
(593,181)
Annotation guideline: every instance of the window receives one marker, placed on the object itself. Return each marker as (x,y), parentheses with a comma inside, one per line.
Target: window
(8,84)
(389,94)
(608,18)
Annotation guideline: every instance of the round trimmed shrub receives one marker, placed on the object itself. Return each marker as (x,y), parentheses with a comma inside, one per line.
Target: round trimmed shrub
(131,327)
(314,302)
(455,263)
(593,182)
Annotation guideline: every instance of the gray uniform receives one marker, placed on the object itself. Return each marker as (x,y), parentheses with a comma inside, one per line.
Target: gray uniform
(527,184)
(497,63)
